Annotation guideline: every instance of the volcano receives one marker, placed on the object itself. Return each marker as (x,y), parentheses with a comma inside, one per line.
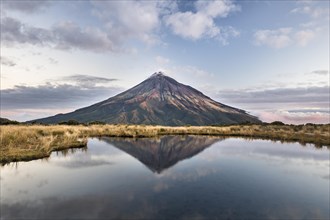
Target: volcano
(158,100)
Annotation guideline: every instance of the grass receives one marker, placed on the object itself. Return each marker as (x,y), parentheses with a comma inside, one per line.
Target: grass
(27,142)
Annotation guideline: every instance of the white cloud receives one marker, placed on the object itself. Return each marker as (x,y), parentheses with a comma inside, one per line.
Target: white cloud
(143,19)
(273,38)
(192,25)
(283,37)
(304,37)
(201,24)
(226,33)
(132,19)
(315,13)
(217,8)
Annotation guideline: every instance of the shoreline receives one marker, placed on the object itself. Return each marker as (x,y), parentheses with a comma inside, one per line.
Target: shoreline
(29,142)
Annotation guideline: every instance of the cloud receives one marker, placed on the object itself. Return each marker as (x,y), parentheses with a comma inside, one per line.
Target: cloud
(301,35)
(52,95)
(25,6)
(120,22)
(295,117)
(290,105)
(226,33)
(65,35)
(192,25)
(132,19)
(68,35)
(86,80)
(304,37)
(273,38)
(201,24)
(283,37)
(192,71)
(85,90)
(13,31)
(7,62)
(215,9)
(25,114)
(52,60)
(320,72)
(314,12)
(278,95)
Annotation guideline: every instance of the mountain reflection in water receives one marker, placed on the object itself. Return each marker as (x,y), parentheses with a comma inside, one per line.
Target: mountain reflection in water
(164,152)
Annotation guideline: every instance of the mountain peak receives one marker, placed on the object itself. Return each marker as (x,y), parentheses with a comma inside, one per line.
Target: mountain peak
(157,74)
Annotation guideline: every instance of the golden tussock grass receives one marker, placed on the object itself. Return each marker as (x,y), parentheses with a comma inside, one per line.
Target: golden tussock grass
(27,142)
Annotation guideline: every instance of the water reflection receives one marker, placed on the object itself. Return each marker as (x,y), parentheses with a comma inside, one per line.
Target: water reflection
(164,152)
(66,152)
(193,178)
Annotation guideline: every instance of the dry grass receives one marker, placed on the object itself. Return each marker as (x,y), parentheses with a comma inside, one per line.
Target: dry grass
(27,142)
(20,143)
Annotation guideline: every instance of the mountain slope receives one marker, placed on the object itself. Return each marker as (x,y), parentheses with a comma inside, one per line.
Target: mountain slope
(158,100)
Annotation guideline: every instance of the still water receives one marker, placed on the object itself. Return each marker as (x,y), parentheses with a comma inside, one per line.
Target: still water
(173,177)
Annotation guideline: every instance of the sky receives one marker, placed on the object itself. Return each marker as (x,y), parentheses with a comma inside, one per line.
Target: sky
(270,58)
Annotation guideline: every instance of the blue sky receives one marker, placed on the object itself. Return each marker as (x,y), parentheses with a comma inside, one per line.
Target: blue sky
(270,58)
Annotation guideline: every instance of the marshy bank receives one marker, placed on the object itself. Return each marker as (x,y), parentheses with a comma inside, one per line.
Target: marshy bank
(27,142)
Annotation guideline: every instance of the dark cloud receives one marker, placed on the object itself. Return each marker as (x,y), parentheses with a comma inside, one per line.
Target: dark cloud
(25,6)
(52,95)
(64,35)
(279,95)
(13,31)
(87,79)
(6,61)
